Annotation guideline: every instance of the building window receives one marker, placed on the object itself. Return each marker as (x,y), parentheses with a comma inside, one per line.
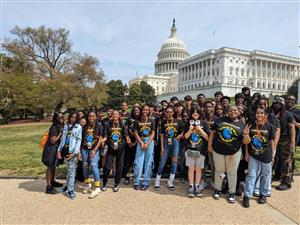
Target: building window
(236,71)
(230,70)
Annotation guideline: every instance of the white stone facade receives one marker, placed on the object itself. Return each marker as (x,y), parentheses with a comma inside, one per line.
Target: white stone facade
(229,69)
(165,77)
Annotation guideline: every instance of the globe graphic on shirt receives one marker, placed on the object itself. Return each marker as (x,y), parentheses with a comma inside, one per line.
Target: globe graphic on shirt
(257,143)
(171,132)
(115,137)
(226,133)
(145,131)
(195,137)
(89,138)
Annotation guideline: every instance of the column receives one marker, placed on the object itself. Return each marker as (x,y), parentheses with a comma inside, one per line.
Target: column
(276,70)
(271,69)
(261,71)
(202,69)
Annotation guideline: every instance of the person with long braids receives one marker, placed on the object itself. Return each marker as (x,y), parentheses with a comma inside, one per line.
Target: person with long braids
(50,150)
(196,135)
(116,138)
(90,154)
(171,133)
(129,159)
(144,131)
(225,139)
(69,149)
(179,115)
(259,154)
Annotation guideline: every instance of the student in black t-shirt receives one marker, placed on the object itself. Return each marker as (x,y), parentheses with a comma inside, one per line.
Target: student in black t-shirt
(225,139)
(196,135)
(260,153)
(286,143)
(291,107)
(116,137)
(90,154)
(170,133)
(50,150)
(144,131)
(130,155)
(209,118)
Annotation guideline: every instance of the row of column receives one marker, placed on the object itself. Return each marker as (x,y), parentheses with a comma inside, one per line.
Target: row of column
(165,67)
(185,70)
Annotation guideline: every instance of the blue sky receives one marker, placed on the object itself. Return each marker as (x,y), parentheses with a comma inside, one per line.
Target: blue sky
(126,36)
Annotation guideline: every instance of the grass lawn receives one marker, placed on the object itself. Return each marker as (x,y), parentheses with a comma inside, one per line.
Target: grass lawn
(20,153)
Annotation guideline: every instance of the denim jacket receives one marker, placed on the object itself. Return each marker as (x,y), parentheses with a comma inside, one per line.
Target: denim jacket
(75,139)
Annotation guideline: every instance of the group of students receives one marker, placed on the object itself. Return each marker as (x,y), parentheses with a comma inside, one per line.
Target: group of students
(240,143)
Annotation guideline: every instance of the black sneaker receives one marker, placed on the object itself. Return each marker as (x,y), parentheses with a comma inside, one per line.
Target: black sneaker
(238,192)
(51,190)
(116,188)
(71,195)
(246,203)
(136,187)
(198,192)
(231,198)
(56,184)
(191,192)
(104,187)
(282,187)
(217,194)
(127,181)
(64,189)
(262,199)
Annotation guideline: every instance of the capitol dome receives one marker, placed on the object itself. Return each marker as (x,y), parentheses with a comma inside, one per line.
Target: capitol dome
(172,52)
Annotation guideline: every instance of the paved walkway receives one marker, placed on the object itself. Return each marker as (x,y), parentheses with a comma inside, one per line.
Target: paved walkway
(24,202)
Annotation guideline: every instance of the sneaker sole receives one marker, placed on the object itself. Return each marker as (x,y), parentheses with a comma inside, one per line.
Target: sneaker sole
(191,196)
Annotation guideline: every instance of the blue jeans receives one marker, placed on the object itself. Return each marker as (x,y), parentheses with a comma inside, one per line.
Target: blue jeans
(265,176)
(169,149)
(257,184)
(72,164)
(87,163)
(143,159)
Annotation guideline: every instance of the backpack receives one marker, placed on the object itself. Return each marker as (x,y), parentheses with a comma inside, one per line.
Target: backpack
(44,140)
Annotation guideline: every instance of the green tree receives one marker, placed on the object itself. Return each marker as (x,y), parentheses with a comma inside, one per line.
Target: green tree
(148,93)
(293,90)
(135,93)
(116,92)
(64,78)
(48,49)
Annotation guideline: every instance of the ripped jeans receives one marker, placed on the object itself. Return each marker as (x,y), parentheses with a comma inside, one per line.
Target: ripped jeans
(143,159)
(93,163)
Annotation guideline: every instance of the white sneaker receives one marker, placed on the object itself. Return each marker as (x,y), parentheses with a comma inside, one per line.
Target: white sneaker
(95,193)
(202,186)
(171,185)
(157,182)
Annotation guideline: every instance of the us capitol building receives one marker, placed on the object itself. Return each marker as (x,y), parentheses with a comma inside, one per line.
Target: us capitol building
(224,69)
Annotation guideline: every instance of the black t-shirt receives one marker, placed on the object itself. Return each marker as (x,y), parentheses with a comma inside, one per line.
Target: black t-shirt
(116,135)
(286,118)
(210,123)
(90,136)
(196,142)
(259,147)
(171,129)
(105,121)
(296,114)
(228,137)
(130,128)
(124,117)
(54,131)
(144,128)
